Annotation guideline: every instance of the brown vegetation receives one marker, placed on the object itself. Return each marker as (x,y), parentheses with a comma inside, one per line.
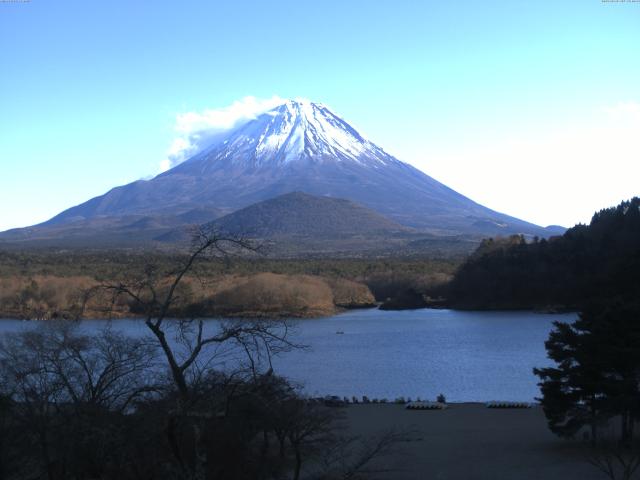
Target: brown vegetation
(43,296)
(350,294)
(58,284)
(263,294)
(276,295)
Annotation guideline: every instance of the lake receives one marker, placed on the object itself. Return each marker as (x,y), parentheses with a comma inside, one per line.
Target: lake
(467,356)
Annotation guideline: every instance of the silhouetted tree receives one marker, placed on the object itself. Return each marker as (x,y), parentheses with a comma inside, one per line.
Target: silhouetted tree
(155,294)
(67,392)
(615,461)
(597,375)
(598,261)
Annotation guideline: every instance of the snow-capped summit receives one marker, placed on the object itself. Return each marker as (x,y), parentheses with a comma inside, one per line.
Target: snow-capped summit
(300,146)
(297,130)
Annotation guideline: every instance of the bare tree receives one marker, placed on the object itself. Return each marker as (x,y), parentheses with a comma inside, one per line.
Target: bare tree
(107,369)
(155,294)
(355,457)
(91,403)
(11,460)
(59,380)
(615,460)
(310,427)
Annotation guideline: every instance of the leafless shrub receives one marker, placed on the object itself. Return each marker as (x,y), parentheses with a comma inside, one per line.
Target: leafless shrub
(616,461)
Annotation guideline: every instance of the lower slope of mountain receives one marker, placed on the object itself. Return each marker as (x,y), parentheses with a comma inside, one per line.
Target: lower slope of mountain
(298,224)
(290,225)
(301,214)
(126,231)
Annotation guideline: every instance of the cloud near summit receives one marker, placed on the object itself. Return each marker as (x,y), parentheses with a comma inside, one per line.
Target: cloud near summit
(195,130)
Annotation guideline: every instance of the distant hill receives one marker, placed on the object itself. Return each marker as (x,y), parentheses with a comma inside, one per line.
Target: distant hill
(301,225)
(300,214)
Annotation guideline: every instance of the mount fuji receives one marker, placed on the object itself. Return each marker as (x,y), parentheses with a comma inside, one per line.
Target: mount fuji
(298,146)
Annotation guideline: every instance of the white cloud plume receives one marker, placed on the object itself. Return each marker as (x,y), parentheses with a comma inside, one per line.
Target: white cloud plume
(195,130)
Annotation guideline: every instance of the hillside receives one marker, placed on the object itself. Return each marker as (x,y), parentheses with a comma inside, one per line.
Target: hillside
(298,225)
(104,232)
(300,214)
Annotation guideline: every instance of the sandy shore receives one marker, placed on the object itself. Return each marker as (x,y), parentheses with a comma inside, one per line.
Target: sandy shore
(469,441)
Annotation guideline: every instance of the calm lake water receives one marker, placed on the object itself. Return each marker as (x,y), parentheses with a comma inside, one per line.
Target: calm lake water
(467,356)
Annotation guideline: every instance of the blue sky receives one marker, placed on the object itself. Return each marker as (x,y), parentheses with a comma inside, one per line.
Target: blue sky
(532,108)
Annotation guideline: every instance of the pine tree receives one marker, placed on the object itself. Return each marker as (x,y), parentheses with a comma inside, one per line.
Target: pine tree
(597,376)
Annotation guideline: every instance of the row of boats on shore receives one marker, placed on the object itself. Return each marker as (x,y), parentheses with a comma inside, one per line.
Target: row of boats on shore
(418,404)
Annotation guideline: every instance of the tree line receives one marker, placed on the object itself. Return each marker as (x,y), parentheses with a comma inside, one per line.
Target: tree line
(599,260)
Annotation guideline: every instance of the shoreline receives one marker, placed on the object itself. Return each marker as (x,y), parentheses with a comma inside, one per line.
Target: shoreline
(283,315)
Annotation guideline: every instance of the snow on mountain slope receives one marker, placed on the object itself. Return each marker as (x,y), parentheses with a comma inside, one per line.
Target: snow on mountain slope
(301,146)
(292,132)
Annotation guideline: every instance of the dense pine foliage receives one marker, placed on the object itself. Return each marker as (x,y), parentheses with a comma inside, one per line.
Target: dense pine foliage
(597,369)
(599,260)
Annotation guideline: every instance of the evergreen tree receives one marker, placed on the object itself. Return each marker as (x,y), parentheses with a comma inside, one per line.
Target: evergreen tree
(601,260)
(597,376)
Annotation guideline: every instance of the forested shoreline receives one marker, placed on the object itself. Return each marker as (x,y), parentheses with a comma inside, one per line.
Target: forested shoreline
(589,262)
(45,285)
